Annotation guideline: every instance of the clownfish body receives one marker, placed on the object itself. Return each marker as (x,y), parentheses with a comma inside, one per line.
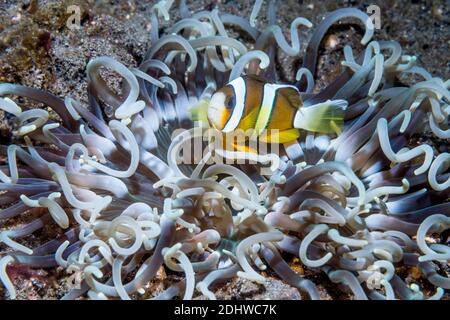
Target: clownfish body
(275,112)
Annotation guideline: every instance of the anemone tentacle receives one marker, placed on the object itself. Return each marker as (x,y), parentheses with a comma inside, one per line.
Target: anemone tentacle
(132,193)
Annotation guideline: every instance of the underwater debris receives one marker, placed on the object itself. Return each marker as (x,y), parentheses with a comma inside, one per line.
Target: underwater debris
(349,206)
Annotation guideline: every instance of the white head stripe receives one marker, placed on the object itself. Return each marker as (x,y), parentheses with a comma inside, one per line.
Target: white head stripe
(238,110)
(216,108)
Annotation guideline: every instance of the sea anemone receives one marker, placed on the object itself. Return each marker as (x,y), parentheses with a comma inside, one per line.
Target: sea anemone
(121,179)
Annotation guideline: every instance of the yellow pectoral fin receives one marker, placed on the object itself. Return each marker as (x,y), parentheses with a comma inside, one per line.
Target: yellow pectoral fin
(200,111)
(283,136)
(248,122)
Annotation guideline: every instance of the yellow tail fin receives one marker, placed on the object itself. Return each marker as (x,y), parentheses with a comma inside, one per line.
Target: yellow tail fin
(326,117)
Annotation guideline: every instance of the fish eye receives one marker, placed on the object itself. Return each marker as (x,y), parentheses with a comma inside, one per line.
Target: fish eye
(230,102)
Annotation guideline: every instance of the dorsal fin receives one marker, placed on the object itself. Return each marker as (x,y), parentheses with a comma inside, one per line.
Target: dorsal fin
(292,95)
(289,92)
(255,77)
(305,96)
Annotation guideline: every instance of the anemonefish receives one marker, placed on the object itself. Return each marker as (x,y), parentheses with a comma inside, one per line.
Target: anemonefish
(275,112)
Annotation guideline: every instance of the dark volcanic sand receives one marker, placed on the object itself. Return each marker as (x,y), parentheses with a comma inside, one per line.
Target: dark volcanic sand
(36,49)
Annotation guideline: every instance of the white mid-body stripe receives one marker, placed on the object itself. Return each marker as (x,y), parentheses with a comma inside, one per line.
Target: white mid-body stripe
(238,110)
(268,103)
